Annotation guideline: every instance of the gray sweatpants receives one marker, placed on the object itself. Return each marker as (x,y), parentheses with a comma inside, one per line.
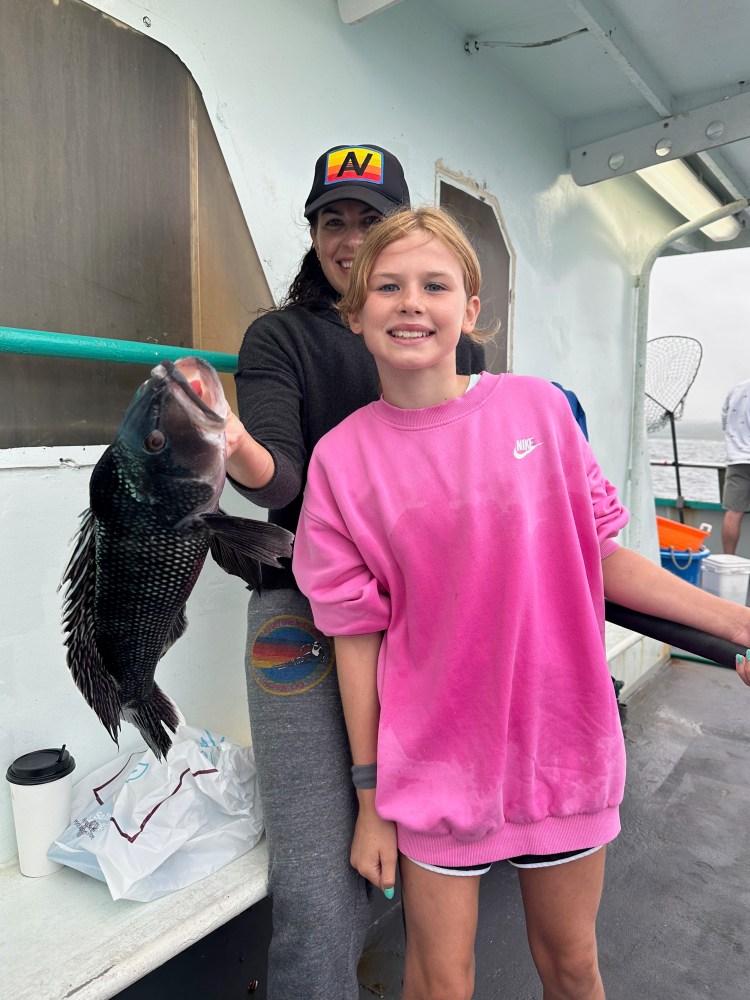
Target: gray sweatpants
(320,904)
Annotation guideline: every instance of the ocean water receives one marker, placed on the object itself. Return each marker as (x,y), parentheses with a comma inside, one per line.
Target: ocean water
(697,484)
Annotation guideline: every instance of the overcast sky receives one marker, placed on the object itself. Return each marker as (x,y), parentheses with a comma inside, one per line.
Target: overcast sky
(706,296)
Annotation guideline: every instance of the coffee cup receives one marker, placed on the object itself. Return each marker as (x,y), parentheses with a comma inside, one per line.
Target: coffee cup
(41,786)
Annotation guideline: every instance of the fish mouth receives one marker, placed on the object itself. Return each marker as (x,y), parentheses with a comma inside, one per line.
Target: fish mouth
(211,403)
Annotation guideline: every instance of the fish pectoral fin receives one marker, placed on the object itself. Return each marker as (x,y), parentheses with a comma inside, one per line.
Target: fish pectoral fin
(88,669)
(179,625)
(239,544)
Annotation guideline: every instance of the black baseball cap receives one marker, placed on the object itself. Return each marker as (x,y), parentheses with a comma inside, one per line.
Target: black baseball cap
(364,173)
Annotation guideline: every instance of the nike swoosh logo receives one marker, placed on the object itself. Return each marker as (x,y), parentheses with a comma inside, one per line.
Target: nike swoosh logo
(523,454)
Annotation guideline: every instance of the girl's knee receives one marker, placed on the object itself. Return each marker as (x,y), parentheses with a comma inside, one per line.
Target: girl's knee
(437,981)
(570,972)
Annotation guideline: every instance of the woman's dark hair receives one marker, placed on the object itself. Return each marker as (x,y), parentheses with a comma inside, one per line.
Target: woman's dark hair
(310,289)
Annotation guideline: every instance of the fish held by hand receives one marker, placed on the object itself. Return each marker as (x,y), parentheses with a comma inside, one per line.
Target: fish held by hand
(153,517)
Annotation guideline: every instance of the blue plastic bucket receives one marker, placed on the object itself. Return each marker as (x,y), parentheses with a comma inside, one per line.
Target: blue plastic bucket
(684,562)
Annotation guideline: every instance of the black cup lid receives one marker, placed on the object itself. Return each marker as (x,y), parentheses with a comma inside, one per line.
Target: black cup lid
(40,766)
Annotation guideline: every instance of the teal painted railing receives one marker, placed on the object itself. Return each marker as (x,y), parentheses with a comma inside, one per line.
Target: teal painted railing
(69,345)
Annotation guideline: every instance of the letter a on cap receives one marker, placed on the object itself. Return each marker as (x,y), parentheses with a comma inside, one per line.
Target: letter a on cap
(355,163)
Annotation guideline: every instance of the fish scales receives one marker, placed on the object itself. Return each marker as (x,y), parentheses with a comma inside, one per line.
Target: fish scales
(141,585)
(153,518)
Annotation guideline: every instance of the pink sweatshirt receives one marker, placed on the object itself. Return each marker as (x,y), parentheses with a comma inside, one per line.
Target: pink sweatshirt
(472,533)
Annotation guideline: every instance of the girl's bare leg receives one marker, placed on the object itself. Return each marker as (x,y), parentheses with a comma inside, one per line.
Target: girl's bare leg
(561,903)
(440,912)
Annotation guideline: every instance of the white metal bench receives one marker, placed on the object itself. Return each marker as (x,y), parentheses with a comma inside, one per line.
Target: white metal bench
(62,937)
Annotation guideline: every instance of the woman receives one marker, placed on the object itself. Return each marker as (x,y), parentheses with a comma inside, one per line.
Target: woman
(300,372)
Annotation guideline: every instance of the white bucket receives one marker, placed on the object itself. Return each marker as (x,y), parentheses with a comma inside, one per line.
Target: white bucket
(726,576)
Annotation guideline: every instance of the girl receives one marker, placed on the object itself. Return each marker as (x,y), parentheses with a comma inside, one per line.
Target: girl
(457,539)
(300,372)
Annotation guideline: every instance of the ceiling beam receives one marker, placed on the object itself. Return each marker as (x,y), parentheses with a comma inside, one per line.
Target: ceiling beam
(353,11)
(725,174)
(618,45)
(689,133)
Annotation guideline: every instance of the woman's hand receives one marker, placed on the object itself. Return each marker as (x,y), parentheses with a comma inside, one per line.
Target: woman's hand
(374,851)
(248,462)
(234,433)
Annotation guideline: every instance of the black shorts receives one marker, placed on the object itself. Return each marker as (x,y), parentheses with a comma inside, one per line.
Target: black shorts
(736,495)
(522,861)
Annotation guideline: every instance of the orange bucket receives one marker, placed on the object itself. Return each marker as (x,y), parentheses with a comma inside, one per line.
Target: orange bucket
(674,535)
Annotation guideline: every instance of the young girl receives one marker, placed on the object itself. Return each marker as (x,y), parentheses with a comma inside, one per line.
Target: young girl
(300,372)
(457,539)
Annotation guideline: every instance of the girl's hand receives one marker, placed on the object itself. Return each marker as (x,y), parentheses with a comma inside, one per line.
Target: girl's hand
(743,667)
(374,852)
(740,634)
(635,582)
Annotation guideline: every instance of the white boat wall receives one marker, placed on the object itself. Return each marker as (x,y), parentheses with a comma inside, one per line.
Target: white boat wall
(275,83)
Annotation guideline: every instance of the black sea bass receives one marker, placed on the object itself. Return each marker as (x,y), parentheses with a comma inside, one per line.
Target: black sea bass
(153,516)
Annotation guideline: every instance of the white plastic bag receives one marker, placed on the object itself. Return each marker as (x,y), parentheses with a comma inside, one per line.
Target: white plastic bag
(149,827)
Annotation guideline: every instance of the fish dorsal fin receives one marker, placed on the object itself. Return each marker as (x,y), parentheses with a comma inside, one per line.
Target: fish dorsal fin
(239,544)
(94,681)
(178,628)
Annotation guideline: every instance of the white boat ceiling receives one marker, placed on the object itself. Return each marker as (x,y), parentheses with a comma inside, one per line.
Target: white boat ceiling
(637,63)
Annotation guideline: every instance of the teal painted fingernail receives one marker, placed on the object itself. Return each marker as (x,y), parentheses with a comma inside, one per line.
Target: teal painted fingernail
(739,658)
(388,893)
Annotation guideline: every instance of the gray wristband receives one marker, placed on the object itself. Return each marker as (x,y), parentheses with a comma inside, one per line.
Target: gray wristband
(364,775)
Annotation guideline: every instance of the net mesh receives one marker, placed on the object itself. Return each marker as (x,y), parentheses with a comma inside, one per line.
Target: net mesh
(671,366)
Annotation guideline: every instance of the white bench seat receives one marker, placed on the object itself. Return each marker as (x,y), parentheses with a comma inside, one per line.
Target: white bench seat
(63,937)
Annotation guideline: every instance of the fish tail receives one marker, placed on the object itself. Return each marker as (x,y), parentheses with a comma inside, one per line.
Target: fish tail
(151,716)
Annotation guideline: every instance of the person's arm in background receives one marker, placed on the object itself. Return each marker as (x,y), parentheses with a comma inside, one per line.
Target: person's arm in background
(374,852)
(725,411)
(635,582)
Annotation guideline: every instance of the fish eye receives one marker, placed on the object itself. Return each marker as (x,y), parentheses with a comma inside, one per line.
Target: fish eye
(154,441)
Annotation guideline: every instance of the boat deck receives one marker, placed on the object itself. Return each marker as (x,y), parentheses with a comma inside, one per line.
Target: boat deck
(675,918)
(674,922)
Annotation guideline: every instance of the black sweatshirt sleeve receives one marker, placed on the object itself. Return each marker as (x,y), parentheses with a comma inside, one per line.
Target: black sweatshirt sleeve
(269,398)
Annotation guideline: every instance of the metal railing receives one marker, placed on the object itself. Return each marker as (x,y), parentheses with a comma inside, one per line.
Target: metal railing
(69,345)
(720,468)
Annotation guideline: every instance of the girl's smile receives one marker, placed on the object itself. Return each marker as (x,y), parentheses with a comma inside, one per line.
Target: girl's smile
(409,332)
(415,311)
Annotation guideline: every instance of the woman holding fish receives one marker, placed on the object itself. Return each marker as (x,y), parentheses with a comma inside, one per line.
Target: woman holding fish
(300,372)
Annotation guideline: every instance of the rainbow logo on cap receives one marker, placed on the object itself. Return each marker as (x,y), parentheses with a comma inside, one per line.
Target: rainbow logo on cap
(354,163)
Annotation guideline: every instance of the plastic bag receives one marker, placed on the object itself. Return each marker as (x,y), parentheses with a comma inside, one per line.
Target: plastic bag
(148,827)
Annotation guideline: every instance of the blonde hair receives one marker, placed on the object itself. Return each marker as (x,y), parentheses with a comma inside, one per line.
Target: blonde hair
(434,222)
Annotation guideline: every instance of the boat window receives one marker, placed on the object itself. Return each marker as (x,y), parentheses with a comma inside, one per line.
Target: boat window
(118,217)
(480,220)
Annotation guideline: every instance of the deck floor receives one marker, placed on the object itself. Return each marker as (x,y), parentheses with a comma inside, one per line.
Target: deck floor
(675,918)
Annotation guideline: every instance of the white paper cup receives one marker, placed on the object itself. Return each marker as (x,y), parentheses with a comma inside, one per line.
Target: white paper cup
(41,785)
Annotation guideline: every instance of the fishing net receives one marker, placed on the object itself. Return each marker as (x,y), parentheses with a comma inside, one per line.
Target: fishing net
(671,366)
